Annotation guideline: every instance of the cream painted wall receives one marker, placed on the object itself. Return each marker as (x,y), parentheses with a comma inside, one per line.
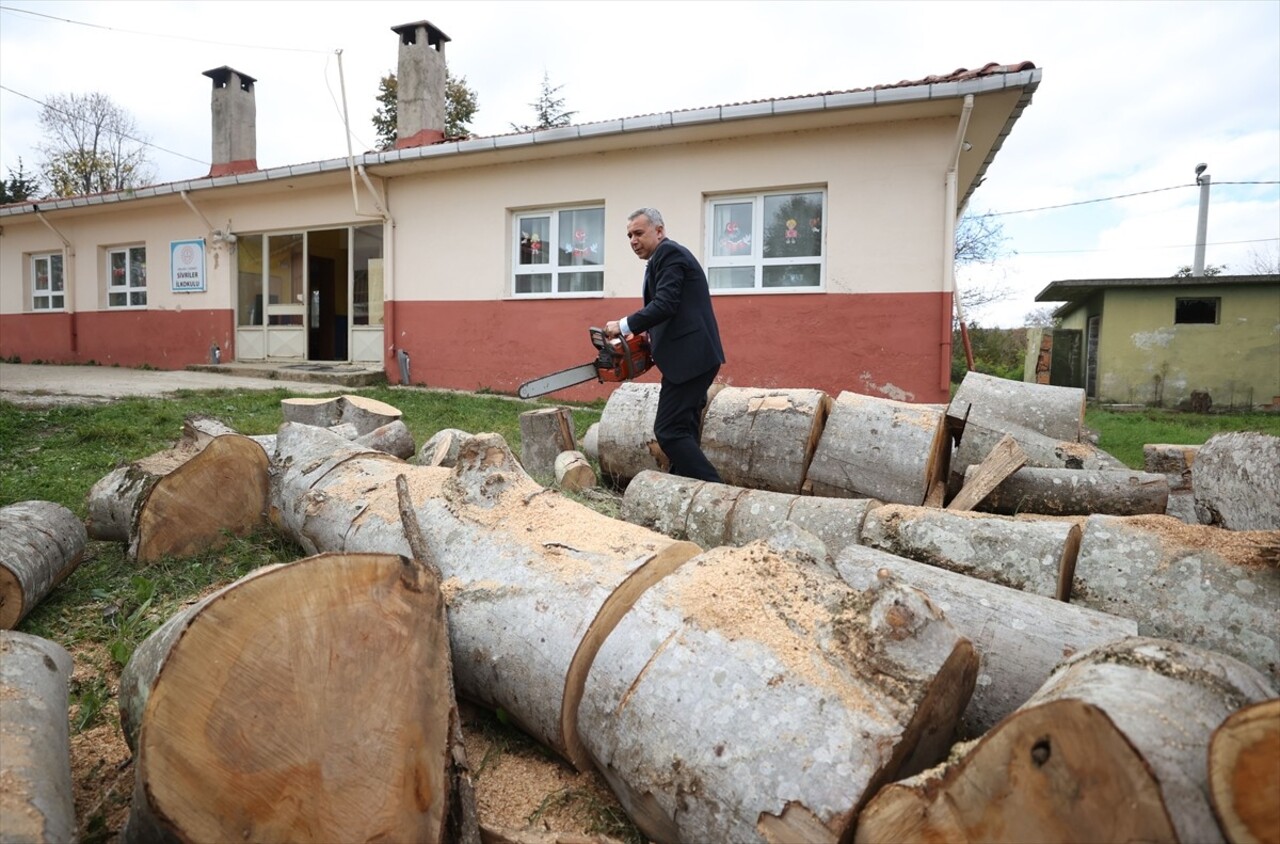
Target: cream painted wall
(885,194)
(156,224)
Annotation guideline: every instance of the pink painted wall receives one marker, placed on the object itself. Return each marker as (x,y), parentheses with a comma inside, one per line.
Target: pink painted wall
(887,345)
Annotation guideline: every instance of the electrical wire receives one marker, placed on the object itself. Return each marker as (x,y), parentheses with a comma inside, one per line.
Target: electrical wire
(1118,196)
(71,116)
(162,34)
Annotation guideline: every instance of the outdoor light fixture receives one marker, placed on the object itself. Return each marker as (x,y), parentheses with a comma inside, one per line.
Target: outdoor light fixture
(1200,168)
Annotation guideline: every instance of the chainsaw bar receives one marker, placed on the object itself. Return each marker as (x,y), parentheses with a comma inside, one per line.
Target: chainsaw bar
(558,380)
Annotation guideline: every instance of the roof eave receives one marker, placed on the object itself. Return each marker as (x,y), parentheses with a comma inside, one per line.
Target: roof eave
(1028,80)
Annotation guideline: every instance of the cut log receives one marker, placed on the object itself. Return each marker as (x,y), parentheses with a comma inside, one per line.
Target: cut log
(1006,405)
(305,702)
(40,544)
(1022,552)
(544,433)
(764,439)
(365,413)
(393,438)
(1244,774)
(591,442)
(1076,492)
(1019,637)
(625,438)
(1204,586)
(573,472)
(748,697)
(1172,461)
(664,503)
(1005,458)
(977,441)
(184,499)
(535,581)
(879,448)
(37,803)
(1236,480)
(442,448)
(1112,748)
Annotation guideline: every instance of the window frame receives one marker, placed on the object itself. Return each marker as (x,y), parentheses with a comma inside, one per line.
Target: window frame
(756,258)
(50,293)
(553,266)
(129,289)
(1189,305)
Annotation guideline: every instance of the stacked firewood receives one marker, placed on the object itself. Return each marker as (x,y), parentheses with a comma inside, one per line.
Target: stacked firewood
(789,656)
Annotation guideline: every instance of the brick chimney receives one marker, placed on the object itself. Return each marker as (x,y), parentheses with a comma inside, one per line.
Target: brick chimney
(420,74)
(235,122)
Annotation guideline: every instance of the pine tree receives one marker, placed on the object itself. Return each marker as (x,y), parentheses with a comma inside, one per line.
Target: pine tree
(19,186)
(548,108)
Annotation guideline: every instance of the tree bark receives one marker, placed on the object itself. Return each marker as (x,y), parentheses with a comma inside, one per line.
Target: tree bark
(538,586)
(764,439)
(591,442)
(365,413)
(40,544)
(37,803)
(1054,412)
(184,499)
(394,438)
(1076,492)
(665,502)
(1019,637)
(625,437)
(442,449)
(977,441)
(1236,481)
(535,581)
(1113,747)
(1244,774)
(878,448)
(1200,585)
(544,433)
(753,696)
(573,472)
(305,702)
(1020,552)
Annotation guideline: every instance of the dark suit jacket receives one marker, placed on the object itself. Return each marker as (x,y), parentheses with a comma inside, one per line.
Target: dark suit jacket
(677,314)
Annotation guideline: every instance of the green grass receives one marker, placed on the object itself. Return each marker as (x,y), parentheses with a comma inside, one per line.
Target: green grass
(1123,435)
(58,453)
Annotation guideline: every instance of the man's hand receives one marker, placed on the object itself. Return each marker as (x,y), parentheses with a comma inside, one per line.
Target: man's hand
(611,329)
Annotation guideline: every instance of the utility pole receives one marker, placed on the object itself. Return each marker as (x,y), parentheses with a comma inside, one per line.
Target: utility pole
(1202,225)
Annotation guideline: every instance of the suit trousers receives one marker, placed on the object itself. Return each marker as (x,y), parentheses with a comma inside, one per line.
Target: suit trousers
(678,426)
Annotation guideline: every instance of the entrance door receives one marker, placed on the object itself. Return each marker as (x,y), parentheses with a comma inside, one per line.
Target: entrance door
(328,259)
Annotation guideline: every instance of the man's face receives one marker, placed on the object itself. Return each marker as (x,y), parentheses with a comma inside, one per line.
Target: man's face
(644,236)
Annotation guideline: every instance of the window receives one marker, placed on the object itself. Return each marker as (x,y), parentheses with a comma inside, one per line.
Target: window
(1195,312)
(559,252)
(47,282)
(127,277)
(766,241)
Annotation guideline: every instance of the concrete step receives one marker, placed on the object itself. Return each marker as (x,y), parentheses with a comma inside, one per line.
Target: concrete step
(338,374)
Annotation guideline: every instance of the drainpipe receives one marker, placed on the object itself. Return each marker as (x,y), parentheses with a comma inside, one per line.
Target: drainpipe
(381,212)
(949,249)
(68,277)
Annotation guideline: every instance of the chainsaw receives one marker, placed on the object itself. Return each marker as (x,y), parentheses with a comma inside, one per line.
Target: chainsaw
(617,359)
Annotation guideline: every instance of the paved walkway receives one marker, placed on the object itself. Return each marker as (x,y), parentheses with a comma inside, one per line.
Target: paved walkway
(53,384)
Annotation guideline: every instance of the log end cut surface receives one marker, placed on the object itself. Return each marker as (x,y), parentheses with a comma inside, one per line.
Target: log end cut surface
(310,705)
(1244,774)
(1058,772)
(223,489)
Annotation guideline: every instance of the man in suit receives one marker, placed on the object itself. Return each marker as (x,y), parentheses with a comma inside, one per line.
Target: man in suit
(684,337)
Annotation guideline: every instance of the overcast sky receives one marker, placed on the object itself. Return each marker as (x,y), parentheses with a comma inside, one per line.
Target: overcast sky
(1135,93)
